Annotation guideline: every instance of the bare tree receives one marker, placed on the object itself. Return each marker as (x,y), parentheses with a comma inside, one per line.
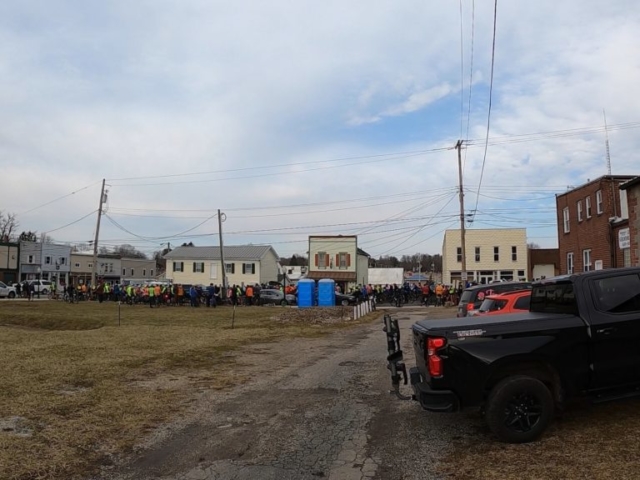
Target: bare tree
(129,251)
(533,245)
(8,226)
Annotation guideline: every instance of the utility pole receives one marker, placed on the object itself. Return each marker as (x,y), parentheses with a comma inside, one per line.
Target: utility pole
(463,271)
(95,241)
(223,294)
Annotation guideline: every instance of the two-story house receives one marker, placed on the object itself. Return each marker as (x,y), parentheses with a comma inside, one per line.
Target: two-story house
(138,270)
(491,254)
(107,269)
(243,265)
(338,258)
(45,261)
(590,219)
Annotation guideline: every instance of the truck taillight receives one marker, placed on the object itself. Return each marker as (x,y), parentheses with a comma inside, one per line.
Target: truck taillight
(434,362)
(470,306)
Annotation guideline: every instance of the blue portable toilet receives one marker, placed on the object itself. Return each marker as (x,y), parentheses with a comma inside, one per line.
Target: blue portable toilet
(306,292)
(326,293)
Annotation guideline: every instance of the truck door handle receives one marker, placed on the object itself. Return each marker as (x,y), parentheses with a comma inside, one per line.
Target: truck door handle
(606,331)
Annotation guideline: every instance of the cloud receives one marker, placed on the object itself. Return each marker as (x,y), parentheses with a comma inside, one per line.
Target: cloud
(120,90)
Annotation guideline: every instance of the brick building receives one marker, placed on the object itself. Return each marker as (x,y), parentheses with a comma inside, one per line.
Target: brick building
(590,219)
(632,188)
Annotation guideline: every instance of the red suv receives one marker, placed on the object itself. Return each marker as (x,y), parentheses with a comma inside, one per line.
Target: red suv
(508,302)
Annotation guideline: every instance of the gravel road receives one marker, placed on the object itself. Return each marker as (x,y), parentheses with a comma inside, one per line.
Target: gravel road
(313,408)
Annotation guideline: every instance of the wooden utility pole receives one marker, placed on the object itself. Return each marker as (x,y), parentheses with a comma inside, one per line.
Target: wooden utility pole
(463,271)
(94,266)
(223,294)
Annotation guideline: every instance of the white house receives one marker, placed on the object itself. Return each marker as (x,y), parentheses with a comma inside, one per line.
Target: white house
(244,265)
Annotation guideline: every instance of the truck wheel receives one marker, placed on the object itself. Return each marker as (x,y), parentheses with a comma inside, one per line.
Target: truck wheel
(12,294)
(519,409)
(284,303)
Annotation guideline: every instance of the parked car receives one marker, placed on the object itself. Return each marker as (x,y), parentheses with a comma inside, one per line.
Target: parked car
(472,297)
(509,302)
(41,286)
(7,291)
(275,297)
(345,299)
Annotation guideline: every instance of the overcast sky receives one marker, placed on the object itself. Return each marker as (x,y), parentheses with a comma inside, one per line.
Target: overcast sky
(301,118)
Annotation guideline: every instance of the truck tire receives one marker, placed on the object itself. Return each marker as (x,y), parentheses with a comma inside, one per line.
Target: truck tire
(519,409)
(12,294)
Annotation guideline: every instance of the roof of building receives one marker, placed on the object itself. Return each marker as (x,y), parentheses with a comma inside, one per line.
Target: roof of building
(630,183)
(623,178)
(360,251)
(231,252)
(337,276)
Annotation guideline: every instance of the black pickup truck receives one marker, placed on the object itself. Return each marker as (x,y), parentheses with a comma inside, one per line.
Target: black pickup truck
(580,338)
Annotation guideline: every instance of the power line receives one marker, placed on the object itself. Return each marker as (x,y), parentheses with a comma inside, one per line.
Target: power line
(244,177)
(59,198)
(473,28)
(493,51)
(72,223)
(461,71)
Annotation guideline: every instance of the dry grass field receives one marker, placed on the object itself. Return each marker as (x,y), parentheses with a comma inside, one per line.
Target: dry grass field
(75,385)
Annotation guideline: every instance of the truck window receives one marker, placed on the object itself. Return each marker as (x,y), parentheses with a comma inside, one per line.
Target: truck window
(554,298)
(620,294)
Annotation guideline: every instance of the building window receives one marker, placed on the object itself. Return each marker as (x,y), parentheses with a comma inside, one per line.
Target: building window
(230,268)
(521,275)
(178,266)
(514,253)
(587,202)
(477,254)
(144,272)
(30,259)
(77,265)
(565,216)
(586,259)
(198,267)
(579,210)
(344,260)
(321,260)
(570,263)
(124,272)
(248,268)
(152,272)
(47,260)
(496,254)
(62,260)
(132,272)
(459,254)
(599,210)
(89,265)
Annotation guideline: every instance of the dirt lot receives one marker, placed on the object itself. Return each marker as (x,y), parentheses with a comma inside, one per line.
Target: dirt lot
(312,402)
(76,388)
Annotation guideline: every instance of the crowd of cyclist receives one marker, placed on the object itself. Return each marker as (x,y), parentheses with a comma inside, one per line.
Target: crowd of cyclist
(164,294)
(435,294)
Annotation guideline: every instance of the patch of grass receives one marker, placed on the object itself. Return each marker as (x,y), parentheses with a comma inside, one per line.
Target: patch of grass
(89,388)
(588,442)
